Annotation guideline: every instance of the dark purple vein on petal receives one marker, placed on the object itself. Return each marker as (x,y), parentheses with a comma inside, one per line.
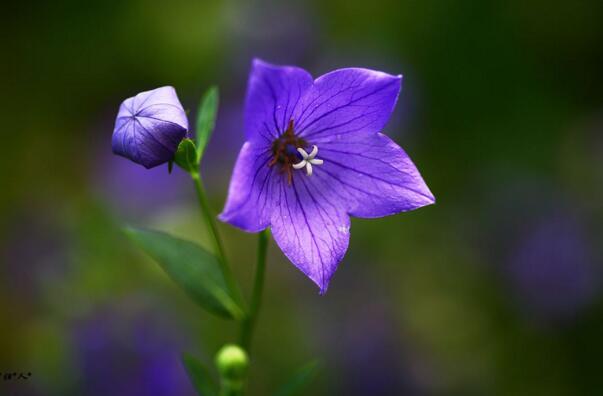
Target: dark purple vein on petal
(275,103)
(381,88)
(284,123)
(141,103)
(125,134)
(323,149)
(264,183)
(153,137)
(378,178)
(313,133)
(258,169)
(299,96)
(350,185)
(316,202)
(290,217)
(268,139)
(330,243)
(322,264)
(160,120)
(159,104)
(303,117)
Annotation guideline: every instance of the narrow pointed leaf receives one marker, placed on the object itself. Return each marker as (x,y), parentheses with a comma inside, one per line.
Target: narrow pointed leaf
(200,376)
(206,119)
(186,156)
(194,269)
(297,384)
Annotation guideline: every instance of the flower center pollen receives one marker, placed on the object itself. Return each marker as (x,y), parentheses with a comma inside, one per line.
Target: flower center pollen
(289,152)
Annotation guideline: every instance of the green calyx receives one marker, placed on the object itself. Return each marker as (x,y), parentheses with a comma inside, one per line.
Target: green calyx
(190,152)
(186,156)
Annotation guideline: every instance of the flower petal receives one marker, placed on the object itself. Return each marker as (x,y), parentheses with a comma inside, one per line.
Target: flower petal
(251,195)
(162,104)
(347,102)
(373,176)
(273,95)
(146,141)
(311,228)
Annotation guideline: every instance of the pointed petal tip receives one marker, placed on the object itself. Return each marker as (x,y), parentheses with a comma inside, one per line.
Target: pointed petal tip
(431,200)
(427,199)
(255,62)
(323,285)
(228,218)
(426,193)
(233,218)
(258,63)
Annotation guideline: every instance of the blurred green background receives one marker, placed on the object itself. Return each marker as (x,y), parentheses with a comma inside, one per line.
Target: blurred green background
(495,290)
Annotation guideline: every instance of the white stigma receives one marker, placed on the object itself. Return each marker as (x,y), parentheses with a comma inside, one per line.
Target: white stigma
(308,160)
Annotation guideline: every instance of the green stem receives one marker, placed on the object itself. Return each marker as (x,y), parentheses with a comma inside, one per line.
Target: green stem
(248,324)
(228,389)
(212,227)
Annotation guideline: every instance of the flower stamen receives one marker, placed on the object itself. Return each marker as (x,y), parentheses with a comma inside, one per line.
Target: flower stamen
(308,160)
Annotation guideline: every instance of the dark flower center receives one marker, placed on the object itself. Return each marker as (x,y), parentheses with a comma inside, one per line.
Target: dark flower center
(284,151)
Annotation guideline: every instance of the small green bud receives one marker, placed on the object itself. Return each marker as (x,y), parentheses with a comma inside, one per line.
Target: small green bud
(186,156)
(232,362)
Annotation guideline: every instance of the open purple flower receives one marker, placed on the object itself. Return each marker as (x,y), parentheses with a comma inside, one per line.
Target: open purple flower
(314,156)
(149,127)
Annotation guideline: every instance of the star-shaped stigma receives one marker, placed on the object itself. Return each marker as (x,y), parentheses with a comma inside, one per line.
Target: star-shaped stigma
(308,160)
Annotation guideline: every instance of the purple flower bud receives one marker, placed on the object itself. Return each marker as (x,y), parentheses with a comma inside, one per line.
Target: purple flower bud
(149,127)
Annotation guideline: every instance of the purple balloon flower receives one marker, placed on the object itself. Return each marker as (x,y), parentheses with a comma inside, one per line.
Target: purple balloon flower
(314,156)
(128,352)
(149,127)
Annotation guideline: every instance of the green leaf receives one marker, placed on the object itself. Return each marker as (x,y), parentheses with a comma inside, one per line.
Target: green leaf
(300,380)
(200,376)
(206,119)
(186,156)
(194,269)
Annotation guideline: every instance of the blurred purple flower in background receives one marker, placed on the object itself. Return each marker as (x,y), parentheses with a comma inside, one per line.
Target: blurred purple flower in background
(366,348)
(34,255)
(552,269)
(224,145)
(370,355)
(130,355)
(313,156)
(149,127)
(542,248)
(272,29)
(134,192)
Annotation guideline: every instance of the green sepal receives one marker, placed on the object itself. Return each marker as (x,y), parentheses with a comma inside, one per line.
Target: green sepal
(194,269)
(206,119)
(300,380)
(186,156)
(200,376)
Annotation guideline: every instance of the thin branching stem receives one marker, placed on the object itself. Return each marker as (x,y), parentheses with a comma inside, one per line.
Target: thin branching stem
(212,227)
(256,294)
